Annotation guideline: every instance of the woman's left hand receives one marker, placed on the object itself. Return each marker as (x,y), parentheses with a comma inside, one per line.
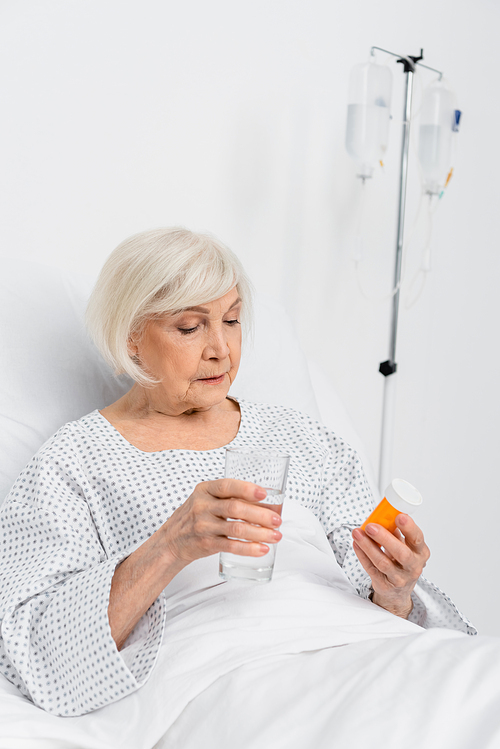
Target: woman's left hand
(394,571)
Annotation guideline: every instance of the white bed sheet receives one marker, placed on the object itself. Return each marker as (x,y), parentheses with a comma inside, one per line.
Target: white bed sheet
(302,662)
(436,690)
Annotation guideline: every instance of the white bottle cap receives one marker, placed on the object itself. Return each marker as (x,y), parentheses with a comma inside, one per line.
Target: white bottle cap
(403,496)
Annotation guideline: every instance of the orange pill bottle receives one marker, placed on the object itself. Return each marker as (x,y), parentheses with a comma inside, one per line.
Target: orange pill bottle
(400,496)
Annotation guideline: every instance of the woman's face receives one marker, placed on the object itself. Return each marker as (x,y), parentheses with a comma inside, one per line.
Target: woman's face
(195,353)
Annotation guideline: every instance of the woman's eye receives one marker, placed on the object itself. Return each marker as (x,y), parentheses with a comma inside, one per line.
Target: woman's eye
(187,331)
(232,322)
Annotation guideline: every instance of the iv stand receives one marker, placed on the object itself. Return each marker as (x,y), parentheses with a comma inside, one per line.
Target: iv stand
(388,368)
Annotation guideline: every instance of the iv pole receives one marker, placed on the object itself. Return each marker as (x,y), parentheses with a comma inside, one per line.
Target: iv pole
(389,367)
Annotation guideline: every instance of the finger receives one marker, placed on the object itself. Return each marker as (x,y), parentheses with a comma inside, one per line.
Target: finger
(409,550)
(230,509)
(208,535)
(399,535)
(242,548)
(391,570)
(394,547)
(248,532)
(414,536)
(378,578)
(226,488)
(249,492)
(389,555)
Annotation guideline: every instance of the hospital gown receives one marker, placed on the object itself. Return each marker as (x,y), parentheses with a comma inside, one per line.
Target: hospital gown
(89,498)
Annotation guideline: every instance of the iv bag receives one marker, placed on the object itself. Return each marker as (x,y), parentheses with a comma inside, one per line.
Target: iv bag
(368,114)
(438,123)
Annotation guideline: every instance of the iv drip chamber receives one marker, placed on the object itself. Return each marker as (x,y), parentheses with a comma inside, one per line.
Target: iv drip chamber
(438,123)
(368,114)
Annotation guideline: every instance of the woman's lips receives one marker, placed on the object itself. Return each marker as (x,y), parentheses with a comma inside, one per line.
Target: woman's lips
(213,380)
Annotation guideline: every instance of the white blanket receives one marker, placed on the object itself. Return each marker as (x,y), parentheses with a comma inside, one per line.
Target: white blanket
(247,665)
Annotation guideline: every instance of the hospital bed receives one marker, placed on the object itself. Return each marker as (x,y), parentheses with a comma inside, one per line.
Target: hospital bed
(51,373)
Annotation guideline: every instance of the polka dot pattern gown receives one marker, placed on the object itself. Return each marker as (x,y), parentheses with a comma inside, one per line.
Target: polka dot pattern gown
(88,498)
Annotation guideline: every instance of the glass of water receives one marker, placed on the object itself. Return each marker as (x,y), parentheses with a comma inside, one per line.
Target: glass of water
(268,470)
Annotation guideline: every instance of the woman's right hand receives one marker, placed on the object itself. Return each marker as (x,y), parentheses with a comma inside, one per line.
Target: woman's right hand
(204,524)
(198,528)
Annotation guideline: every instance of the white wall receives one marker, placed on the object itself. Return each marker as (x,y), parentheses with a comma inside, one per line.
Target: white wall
(229,116)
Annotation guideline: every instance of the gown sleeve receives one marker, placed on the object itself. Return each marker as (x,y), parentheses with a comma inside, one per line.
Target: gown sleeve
(346,502)
(55,578)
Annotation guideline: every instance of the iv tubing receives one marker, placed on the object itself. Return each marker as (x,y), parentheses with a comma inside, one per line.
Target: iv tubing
(358,256)
(425,266)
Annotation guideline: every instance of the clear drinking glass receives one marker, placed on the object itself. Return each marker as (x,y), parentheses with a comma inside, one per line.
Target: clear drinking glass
(268,470)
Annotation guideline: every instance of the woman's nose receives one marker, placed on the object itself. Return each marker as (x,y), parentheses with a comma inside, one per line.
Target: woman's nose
(217,346)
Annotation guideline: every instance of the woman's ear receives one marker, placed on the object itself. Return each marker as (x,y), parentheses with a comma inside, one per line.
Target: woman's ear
(132,347)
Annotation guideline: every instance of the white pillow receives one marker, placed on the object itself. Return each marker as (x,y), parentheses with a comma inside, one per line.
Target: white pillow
(52,373)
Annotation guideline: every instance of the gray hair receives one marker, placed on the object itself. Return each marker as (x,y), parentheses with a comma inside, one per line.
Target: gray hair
(153,273)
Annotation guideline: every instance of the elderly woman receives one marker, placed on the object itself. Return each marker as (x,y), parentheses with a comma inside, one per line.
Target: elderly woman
(116,506)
